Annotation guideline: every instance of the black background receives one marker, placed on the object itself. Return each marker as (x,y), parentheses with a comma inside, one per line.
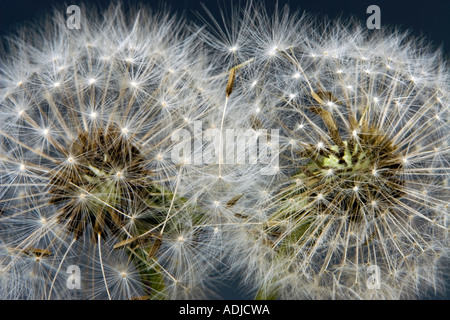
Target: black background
(423,18)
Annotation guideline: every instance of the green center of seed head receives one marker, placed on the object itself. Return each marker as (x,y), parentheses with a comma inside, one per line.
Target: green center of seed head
(352,161)
(356,181)
(105,188)
(104,179)
(365,173)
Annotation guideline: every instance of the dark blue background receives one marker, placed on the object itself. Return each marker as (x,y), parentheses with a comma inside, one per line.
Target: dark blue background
(423,18)
(430,18)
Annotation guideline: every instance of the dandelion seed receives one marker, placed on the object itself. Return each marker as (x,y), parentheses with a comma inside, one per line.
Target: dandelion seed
(273,51)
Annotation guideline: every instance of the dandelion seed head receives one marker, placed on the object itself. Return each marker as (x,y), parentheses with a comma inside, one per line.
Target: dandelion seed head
(79,150)
(352,192)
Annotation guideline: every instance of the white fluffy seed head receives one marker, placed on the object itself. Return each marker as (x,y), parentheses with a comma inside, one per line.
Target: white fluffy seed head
(82,124)
(363,160)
